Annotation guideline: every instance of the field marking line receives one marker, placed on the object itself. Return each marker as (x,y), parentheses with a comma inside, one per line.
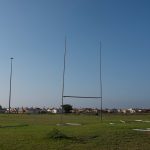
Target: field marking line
(142,130)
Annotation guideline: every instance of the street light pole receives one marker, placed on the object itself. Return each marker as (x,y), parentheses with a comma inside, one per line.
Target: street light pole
(10,83)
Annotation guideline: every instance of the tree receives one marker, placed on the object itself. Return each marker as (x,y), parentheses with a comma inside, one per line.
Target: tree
(67,108)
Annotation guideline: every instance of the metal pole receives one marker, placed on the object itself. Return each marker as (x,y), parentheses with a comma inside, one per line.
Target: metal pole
(64,76)
(101,82)
(10,83)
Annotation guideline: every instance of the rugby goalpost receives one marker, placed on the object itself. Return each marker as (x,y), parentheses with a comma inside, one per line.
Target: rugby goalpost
(81,97)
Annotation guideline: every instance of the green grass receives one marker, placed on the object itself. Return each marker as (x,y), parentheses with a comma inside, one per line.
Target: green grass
(39,132)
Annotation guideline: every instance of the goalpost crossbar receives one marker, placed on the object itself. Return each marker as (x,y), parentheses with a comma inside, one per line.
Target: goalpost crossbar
(81,97)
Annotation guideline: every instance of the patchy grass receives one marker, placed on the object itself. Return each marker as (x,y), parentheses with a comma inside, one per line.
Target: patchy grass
(57,134)
(27,132)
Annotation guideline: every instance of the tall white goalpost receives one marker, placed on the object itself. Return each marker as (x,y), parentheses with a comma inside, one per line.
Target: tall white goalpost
(82,97)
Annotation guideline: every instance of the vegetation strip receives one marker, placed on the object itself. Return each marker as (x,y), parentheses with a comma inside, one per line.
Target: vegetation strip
(13,126)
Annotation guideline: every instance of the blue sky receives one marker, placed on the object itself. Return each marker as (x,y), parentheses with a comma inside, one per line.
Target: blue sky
(33,32)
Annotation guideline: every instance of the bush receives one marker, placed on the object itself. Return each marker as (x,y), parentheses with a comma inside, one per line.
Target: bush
(67,108)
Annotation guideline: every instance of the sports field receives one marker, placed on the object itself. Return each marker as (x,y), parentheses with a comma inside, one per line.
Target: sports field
(40,132)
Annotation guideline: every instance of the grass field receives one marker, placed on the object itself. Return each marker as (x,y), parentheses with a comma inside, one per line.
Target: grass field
(29,132)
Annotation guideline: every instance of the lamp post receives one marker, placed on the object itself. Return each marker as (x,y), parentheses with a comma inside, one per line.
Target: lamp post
(10,83)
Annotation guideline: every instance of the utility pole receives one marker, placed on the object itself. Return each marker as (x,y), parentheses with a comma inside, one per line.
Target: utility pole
(10,83)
